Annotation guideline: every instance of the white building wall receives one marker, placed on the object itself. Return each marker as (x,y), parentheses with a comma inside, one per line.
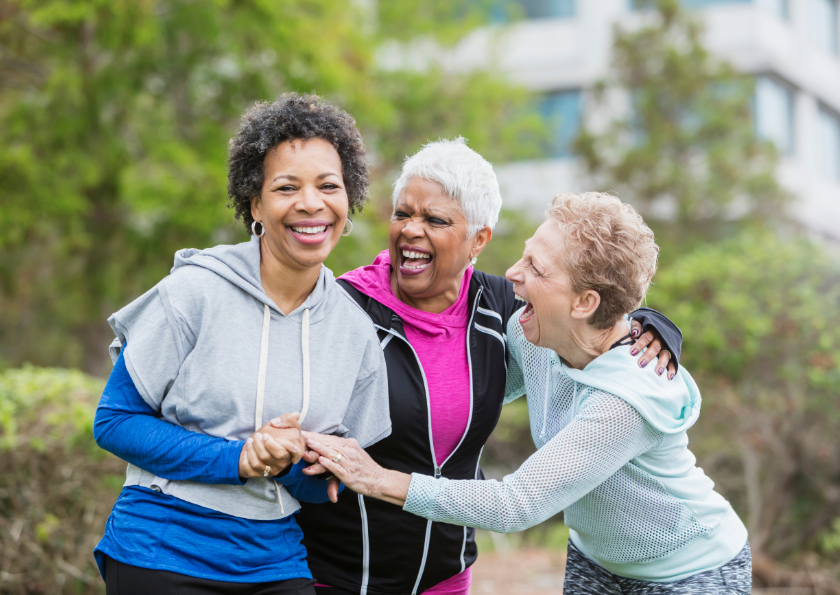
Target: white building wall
(573,53)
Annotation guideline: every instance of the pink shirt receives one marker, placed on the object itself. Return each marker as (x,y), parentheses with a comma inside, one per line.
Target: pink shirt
(440,341)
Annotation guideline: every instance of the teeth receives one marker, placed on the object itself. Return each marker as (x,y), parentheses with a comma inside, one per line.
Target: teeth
(417,267)
(311,230)
(521,299)
(410,254)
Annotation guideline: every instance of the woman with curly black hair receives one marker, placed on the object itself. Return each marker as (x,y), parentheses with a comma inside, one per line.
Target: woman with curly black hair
(189,402)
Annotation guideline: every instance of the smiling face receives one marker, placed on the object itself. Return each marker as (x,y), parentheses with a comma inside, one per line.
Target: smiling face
(303,204)
(428,243)
(540,279)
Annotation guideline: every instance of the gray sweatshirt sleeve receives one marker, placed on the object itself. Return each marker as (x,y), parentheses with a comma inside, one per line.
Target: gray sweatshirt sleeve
(158,348)
(368,414)
(605,435)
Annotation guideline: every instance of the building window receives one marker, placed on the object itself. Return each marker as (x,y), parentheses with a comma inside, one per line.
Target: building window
(774,113)
(546,9)
(693,3)
(828,136)
(779,8)
(562,111)
(824,26)
(636,4)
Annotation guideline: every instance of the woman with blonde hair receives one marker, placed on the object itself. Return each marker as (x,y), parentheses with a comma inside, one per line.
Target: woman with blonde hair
(612,444)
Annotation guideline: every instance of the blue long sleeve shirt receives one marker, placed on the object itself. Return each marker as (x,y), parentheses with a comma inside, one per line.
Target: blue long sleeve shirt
(161,532)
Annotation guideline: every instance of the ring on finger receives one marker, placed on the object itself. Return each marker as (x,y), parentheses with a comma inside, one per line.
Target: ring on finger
(266,471)
(336,458)
(668,352)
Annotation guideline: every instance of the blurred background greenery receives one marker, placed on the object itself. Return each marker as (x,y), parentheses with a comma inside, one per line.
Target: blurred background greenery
(114,122)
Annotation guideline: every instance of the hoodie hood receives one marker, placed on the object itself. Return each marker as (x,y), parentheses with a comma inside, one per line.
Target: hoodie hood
(239,264)
(670,406)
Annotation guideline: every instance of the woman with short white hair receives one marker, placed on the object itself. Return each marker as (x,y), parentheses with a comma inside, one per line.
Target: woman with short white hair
(441,324)
(613,451)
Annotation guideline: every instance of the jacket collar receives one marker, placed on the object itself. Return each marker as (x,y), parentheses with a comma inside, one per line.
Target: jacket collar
(382,316)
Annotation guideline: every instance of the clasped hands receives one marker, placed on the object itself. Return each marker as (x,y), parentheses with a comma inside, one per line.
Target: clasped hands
(277,445)
(281,443)
(349,462)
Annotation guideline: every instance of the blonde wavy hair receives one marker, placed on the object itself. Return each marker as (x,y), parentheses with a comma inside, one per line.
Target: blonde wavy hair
(609,249)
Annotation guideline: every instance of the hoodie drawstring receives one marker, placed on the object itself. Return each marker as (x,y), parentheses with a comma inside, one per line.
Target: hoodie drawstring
(304,345)
(263,367)
(258,412)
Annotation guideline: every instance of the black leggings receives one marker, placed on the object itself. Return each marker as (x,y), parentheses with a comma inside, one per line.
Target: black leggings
(124,579)
(332,591)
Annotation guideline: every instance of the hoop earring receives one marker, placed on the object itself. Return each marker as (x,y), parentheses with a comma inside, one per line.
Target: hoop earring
(474,260)
(346,231)
(254,229)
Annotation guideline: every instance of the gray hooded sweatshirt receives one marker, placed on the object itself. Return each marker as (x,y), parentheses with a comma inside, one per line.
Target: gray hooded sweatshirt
(212,353)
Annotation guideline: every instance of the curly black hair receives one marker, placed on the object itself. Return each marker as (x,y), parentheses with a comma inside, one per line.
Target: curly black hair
(293,116)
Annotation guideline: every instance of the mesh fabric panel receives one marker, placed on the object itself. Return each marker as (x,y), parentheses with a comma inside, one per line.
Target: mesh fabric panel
(587,441)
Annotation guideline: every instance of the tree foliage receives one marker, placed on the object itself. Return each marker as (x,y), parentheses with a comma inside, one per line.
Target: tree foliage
(685,148)
(114,122)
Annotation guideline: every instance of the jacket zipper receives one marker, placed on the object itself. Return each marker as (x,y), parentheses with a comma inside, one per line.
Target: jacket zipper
(469,367)
(438,468)
(365,547)
(464,543)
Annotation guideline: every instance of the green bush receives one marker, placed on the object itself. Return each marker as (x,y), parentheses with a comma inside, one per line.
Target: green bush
(56,486)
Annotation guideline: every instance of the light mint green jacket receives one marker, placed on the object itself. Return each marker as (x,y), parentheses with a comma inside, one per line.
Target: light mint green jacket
(613,455)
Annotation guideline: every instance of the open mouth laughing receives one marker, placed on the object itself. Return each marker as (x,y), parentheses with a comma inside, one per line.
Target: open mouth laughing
(528,312)
(414,260)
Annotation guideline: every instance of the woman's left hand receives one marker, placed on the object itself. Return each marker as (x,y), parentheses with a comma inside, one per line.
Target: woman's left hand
(654,349)
(347,461)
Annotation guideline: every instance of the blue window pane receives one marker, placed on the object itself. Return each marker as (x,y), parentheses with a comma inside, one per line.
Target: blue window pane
(828,137)
(779,8)
(699,3)
(824,25)
(774,113)
(636,4)
(547,9)
(562,111)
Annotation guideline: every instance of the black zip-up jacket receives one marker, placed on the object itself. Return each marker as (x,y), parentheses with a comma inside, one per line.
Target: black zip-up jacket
(368,546)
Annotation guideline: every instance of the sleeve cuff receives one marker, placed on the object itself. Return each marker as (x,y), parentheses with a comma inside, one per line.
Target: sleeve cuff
(421,494)
(291,473)
(229,463)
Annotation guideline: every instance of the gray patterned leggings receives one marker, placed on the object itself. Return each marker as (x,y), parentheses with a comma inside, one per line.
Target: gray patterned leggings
(584,577)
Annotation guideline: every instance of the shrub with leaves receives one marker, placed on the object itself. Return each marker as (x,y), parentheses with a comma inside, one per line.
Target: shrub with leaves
(56,486)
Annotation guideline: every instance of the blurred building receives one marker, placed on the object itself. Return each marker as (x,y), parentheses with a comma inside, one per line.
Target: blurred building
(791,46)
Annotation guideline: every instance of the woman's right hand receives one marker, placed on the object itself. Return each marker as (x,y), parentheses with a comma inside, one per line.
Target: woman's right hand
(349,462)
(274,446)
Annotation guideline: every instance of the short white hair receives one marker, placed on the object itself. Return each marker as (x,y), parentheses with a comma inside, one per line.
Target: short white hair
(466,177)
